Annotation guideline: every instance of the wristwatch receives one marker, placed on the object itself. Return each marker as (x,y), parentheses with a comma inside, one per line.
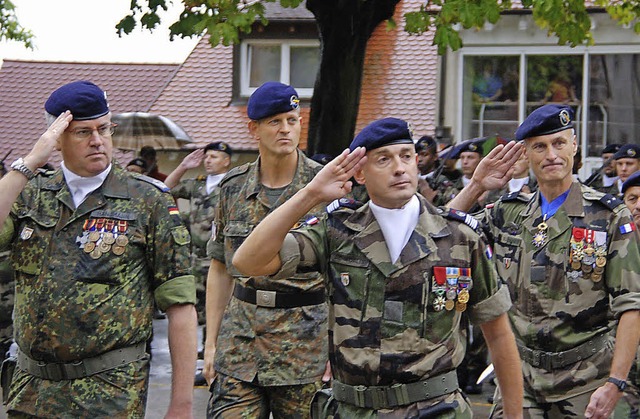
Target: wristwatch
(22,168)
(621,384)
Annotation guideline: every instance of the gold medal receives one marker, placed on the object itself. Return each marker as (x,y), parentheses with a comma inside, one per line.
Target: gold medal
(598,270)
(541,235)
(463,296)
(576,265)
(460,307)
(596,277)
(108,238)
(94,236)
(104,247)
(449,305)
(88,247)
(117,250)
(601,261)
(122,240)
(95,254)
(587,268)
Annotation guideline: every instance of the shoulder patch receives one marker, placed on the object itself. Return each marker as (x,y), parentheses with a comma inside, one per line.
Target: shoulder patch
(45,172)
(462,217)
(516,196)
(155,182)
(236,171)
(343,203)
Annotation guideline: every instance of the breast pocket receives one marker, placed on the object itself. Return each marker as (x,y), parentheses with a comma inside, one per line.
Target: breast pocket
(34,236)
(350,280)
(235,233)
(507,254)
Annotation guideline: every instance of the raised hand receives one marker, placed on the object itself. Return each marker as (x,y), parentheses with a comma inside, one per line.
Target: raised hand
(495,170)
(193,160)
(333,181)
(48,142)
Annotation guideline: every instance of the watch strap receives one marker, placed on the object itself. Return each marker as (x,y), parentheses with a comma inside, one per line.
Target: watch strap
(621,384)
(19,166)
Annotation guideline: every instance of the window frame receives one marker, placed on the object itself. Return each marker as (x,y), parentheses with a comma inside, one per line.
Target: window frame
(285,44)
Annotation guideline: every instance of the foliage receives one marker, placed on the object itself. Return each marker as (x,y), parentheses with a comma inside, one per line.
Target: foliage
(10,29)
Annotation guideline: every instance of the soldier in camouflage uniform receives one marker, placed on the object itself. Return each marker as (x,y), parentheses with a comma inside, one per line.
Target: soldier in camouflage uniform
(202,193)
(570,257)
(606,179)
(627,160)
(92,245)
(6,295)
(400,274)
(270,343)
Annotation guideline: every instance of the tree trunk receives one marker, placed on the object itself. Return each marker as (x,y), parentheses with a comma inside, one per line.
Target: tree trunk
(345,27)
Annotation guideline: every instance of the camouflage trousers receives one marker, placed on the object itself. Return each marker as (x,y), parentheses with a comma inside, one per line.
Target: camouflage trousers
(572,407)
(117,393)
(232,398)
(450,406)
(7,289)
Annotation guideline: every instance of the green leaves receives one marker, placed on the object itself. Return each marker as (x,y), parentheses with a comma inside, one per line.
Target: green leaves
(10,28)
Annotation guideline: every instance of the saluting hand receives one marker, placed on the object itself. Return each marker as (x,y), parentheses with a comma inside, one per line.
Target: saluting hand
(193,160)
(48,142)
(495,170)
(333,181)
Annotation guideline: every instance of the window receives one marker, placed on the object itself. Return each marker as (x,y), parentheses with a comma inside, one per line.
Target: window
(498,91)
(293,62)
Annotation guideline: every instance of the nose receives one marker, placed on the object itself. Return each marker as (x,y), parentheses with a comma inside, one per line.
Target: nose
(96,139)
(398,166)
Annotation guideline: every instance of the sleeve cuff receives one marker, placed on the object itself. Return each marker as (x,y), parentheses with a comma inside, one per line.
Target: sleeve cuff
(179,290)
(289,257)
(492,307)
(625,302)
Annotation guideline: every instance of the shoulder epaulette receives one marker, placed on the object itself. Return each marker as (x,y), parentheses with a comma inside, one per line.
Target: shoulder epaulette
(155,182)
(462,217)
(515,196)
(45,172)
(610,201)
(236,171)
(343,203)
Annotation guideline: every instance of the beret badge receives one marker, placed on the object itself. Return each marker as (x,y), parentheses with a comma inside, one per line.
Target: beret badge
(565,119)
(410,129)
(472,147)
(631,152)
(294,102)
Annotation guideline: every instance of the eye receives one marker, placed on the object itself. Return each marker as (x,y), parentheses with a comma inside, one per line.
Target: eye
(292,121)
(83,132)
(273,122)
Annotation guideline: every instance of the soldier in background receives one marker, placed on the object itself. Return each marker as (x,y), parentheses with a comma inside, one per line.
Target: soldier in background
(266,341)
(149,154)
(202,193)
(137,165)
(400,274)
(569,255)
(427,150)
(627,162)
(92,247)
(7,285)
(605,180)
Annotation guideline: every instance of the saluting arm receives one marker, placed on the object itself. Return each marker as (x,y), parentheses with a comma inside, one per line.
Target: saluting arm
(259,253)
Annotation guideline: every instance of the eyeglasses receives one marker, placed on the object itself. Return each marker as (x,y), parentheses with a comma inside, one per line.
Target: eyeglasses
(106,130)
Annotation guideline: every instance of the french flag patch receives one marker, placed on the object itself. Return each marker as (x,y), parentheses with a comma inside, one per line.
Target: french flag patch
(488,252)
(627,228)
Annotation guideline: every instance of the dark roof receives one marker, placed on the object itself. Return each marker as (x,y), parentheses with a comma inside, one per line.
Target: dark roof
(25,86)
(275,12)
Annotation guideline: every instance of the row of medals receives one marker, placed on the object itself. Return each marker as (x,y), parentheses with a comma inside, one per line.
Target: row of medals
(103,241)
(450,296)
(587,260)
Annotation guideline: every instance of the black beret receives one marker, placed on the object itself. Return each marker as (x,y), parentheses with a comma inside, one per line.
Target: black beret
(633,180)
(547,119)
(84,99)
(272,98)
(473,145)
(383,132)
(627,151)
(138,162)
(426,142)
(219,146)
(611,148)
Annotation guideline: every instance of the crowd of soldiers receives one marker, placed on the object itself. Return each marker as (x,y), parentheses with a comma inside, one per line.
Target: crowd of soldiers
(377,284)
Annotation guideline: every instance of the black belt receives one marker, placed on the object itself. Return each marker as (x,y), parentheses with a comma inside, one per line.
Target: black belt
(387,397)
(58,371)
(276,299)
(554,360)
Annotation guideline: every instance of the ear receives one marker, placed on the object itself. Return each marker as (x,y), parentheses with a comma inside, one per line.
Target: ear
(253,128)
(359,177)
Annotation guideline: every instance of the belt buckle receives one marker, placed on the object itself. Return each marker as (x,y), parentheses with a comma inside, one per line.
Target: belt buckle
(265,298)
(51,371)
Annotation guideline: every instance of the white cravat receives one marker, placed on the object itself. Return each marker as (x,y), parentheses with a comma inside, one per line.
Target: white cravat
(213,181)
(397,224)
(608,181)
(80,186)
(516,185)
(465,181)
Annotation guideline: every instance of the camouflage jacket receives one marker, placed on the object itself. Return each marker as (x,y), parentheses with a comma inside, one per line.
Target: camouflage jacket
(76,295)
(597,184)
(201,213)
(447,190)
(558,301)
(397,323)
(279,346)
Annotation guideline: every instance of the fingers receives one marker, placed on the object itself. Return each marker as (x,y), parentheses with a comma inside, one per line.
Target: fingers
(349,162)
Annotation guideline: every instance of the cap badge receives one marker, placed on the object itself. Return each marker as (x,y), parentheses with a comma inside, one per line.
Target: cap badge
(294,102)
(223,146)
(565,119)
(631,152)
(410,129)
(473,147)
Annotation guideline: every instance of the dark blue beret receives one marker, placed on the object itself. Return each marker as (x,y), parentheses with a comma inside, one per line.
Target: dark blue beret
(219,146)
(474,145)
(426,142)
(141,163)
(547,119)
(383,132)
(270,99)
(633,180)
(84,99)
(611,148)
(322,158)
(628,151)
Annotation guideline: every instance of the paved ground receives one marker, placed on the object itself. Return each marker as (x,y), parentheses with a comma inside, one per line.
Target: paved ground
(160,383)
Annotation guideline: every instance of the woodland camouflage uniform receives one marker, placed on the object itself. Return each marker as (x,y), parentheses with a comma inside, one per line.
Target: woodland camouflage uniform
(263,345)
(388,322)
(562,300)
(72,304)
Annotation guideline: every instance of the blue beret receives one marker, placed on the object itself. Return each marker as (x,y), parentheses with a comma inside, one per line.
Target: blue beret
(547,119)
(633,180)
(138,162)
(628,151)
(474,145)
(272,98)
(426,142)
(383,132)
(611,148)
(84,99)
(219,146)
